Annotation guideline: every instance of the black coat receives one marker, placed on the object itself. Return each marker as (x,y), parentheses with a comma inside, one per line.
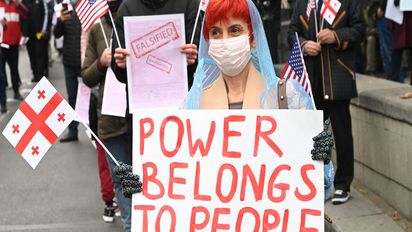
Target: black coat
(71,30)
(152,7)
(331,72)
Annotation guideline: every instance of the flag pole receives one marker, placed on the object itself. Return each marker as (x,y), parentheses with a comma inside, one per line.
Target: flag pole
(305,71)
(316,20)
(101,143)
(196,21)
(104,34)
(115,30)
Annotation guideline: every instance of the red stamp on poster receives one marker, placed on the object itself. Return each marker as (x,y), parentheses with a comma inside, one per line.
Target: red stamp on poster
(158,63)
(154,39)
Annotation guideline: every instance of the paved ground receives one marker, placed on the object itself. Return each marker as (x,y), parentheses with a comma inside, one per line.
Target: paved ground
(366,212)
(63,193)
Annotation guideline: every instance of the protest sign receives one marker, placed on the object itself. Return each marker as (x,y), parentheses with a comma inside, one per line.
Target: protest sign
(114,96)
(83,101)
(208,170)
(405,5)
(393,12)
(156,68)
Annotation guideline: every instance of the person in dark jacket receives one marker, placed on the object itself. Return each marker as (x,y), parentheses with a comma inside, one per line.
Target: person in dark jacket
(68,25)
(153,7)
(270,10)
(37,29)
(141,8)
(330,57)
(377,10)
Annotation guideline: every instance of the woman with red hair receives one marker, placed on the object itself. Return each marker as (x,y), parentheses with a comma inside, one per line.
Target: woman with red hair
(235,71)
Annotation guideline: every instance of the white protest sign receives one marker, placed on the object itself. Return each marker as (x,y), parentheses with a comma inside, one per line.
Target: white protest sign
(405,5)
(114,96)
(156,68)
(393,13)
(208,170)
(83,101)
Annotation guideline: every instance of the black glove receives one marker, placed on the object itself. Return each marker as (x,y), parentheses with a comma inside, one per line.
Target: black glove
(323,143)
(130,182)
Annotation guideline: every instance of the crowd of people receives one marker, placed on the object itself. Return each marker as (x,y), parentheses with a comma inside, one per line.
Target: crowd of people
(331,55)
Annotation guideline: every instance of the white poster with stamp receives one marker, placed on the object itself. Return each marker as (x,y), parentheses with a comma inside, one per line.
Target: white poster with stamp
(156,68)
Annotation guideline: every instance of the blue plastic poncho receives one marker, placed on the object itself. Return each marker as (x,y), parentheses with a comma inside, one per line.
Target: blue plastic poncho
(207,72)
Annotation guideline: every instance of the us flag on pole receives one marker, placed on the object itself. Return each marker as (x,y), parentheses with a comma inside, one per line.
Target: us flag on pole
(38,122)
(311,6)
(295,68)
(89,11)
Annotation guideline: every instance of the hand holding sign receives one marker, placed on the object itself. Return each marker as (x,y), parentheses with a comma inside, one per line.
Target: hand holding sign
(120,55)
(191,52)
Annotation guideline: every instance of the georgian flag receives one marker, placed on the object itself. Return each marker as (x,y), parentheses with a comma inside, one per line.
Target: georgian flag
(38,122)
(329,10)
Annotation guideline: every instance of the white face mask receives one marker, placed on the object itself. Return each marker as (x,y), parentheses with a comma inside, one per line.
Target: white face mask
(231,55)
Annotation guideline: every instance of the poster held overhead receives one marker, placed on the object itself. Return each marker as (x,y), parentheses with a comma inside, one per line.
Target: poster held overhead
(156,68)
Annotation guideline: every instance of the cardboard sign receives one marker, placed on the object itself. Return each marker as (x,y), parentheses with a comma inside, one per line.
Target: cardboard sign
(208,170)
(83,101)
(114,96)
(156,68)
(393,13)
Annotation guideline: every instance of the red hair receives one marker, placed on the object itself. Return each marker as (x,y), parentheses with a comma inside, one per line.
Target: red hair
(223,10)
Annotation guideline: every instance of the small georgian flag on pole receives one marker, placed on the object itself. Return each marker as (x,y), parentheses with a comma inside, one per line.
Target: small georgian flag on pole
(329,10)
(38,122)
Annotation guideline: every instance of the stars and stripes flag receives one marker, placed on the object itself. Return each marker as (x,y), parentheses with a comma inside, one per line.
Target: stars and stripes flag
(311,6)
(89,11)
(329,10)
(295,68)
(38,122)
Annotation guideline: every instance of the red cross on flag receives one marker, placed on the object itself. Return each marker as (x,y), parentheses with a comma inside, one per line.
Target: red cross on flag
(38,122)
(329,10)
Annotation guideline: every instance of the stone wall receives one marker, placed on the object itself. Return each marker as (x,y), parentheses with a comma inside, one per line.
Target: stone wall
(382,133)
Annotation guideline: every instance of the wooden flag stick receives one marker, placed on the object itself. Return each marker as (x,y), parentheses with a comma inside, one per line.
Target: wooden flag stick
(196,21)
(104,34)
(101,143)
(115,30)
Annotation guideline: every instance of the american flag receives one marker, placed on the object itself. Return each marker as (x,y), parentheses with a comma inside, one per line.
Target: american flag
(311,6)
(89,11)
(295,68)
